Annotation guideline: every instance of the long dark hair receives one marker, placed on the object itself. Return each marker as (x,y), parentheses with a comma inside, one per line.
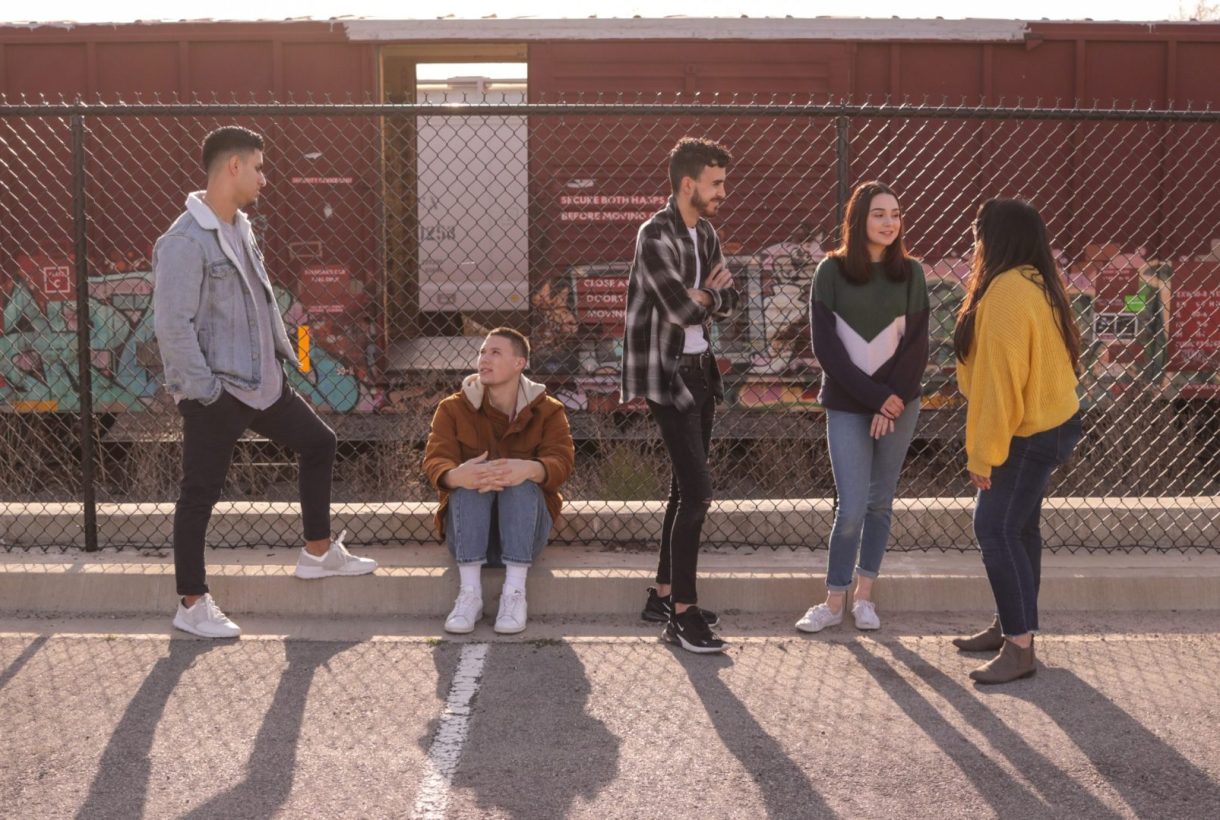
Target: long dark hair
(852,253)
(1010,233)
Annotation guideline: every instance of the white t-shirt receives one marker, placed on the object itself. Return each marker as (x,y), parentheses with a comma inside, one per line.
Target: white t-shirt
(695,342)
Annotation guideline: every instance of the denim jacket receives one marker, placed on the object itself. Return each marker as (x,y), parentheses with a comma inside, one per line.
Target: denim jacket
(203,308)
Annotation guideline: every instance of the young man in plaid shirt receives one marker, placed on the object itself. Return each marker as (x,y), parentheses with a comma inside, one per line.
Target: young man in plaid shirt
(677,285)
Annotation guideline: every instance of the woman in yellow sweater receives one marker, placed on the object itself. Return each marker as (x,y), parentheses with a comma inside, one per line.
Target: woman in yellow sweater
(1018,351)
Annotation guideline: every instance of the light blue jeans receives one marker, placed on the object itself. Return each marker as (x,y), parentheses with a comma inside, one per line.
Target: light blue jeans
(866,476)
(523,521)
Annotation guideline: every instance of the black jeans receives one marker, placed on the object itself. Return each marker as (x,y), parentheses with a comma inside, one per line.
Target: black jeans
(209,434)
(687,436)
(1007,522)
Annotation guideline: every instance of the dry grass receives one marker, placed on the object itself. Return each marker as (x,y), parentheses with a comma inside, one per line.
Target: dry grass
(1143,446)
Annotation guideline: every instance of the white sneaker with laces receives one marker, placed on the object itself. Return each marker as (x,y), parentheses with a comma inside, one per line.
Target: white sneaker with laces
(513,611)
(865,613)
(817,618)
(205,619)
(467,611)
(336,561)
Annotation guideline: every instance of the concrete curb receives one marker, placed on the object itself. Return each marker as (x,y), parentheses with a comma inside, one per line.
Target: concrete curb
(584,581)
(918,522)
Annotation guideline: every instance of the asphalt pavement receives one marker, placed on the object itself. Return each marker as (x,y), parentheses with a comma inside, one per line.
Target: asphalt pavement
(594,717)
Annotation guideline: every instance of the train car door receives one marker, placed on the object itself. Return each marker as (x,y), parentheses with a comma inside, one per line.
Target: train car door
(457,207)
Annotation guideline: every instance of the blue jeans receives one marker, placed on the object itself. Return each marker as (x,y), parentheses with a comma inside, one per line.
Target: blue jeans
(866,476)
(1007,522)
(523,520)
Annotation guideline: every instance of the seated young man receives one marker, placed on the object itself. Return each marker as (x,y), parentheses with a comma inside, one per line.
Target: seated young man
(498,451)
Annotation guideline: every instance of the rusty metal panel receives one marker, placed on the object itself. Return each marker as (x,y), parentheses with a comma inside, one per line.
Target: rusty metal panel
(941,71)
(1043,74)
(51,70)
(1124,72)
(1198,66)
(730,67)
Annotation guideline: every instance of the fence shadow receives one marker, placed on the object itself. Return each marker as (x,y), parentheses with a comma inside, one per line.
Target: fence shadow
(783,785)
(543,750)
(271,766)
(120,788)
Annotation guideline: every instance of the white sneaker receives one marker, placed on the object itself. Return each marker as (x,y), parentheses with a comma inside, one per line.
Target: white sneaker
(467,611)
(865,613)
(205,619)
(336,561)
(512,616)
(818,618)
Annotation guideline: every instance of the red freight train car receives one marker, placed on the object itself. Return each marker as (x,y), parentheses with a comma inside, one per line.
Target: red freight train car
(394,240)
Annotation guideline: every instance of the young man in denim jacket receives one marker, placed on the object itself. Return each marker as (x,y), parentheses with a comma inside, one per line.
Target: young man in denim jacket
(222,342)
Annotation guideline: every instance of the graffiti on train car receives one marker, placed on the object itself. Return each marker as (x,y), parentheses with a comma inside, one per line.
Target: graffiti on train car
(1148,323)
(38,345)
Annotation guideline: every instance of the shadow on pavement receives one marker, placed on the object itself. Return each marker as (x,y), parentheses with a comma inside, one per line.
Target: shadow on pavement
(783,785)
(1056,787)
(272,762)
(120,788)
(1007,796)
(21,660)
(1153,777)
(533,748)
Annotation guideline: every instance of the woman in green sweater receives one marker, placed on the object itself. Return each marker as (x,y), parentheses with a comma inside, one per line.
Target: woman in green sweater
(1018,352)
(869,318)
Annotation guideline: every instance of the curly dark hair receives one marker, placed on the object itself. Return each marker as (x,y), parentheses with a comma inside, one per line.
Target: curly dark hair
(691,155)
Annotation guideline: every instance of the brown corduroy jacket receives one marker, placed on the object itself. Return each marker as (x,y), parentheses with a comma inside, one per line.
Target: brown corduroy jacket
(465,425)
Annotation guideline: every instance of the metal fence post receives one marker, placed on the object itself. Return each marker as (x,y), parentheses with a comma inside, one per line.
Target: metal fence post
(842,194)
(842,168)
(83,338)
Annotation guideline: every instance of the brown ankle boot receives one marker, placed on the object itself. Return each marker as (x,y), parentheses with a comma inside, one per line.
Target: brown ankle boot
(989,640)
(1011,664)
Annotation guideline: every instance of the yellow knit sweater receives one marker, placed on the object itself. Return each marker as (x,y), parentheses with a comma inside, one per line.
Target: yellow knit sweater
(1018,378)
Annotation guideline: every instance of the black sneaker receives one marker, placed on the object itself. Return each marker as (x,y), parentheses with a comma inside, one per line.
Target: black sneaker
(659,609)
(690,631)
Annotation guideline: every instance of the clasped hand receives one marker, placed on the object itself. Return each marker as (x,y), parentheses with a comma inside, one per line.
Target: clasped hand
(492,476)
(883,422)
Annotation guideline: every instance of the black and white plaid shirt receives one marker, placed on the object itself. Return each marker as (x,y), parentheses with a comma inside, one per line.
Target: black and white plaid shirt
(659,308)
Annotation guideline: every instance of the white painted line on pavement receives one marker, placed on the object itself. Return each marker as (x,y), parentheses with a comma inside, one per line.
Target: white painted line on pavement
(432,802)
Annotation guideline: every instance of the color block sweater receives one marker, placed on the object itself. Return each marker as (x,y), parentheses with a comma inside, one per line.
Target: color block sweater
(1017,378)
(871,340)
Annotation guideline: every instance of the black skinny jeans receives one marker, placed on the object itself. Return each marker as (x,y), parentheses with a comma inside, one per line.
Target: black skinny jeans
(687,436)
(209,434)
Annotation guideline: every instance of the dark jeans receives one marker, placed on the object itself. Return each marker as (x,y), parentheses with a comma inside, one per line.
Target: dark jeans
(687,436)
(209,434)
(1007,522)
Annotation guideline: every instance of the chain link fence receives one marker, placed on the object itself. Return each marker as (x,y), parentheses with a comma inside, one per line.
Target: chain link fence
(397,235)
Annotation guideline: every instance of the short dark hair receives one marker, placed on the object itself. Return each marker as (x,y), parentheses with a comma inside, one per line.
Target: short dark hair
(227,140)
(691,155)
(521,345)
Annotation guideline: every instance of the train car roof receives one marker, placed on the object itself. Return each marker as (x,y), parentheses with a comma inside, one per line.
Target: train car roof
(667,28)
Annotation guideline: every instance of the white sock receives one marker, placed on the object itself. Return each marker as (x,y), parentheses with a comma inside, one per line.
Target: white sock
(514,576)
(471,575)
